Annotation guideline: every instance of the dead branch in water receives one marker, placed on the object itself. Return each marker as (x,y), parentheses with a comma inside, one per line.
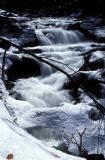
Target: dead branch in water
(33,55)
(43,60)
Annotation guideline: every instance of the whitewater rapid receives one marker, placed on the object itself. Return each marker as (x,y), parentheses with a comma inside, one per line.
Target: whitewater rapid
(41,104)
(47,90)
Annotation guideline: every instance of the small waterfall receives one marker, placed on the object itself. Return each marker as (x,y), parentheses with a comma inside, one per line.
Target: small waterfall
(46,70)
(58,36)
(38,93)
(42,38)
(47,90)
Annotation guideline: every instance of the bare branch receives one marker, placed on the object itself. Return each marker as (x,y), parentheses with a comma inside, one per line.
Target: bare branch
(41,59)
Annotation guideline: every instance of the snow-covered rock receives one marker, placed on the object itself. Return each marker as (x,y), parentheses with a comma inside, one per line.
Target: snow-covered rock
(23,146)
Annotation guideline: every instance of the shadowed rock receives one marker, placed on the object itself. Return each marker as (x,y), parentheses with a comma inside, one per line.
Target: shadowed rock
(24,68)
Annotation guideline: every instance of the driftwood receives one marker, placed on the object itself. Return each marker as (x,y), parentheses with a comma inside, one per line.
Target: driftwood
(43,60)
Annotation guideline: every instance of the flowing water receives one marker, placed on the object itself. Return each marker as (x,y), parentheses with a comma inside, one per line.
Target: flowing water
(47,90)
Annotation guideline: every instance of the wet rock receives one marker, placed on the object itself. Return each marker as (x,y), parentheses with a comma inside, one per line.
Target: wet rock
(98,64)
(95,157)
(4,45)
(95,114)
(82,80)
(74,25)
(94,29)
(24,68)
(9,25)
(62,147)
(28,38)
